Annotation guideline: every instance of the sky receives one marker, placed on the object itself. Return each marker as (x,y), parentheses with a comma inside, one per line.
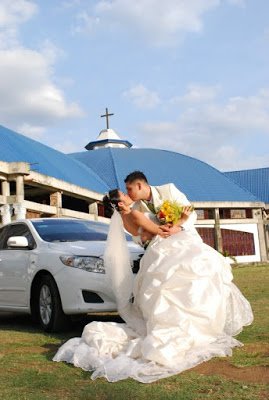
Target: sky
(190,76)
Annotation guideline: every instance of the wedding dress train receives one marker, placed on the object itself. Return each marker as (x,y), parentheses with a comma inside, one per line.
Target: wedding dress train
(186,310)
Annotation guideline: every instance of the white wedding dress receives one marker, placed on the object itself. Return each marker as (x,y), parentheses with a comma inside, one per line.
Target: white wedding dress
(186,310)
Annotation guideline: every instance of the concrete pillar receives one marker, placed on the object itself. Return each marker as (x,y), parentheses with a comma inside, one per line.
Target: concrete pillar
(266,230)
(261,234)
(19,211)
(5,214)
(217,231)
(56,201)
(5,209)
(5,188)
(93,209)
(19,189)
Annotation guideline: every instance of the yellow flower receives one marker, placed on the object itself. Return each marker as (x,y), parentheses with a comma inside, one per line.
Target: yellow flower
(169,212)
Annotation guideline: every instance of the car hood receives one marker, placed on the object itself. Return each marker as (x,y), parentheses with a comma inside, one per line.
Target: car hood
(93,248)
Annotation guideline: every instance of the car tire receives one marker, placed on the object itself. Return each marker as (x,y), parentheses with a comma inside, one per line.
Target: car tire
(49,306)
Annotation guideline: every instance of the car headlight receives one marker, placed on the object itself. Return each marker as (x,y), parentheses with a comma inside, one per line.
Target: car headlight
(90,264)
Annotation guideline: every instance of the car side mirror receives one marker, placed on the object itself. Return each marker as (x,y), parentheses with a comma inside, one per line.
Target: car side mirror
(18,241)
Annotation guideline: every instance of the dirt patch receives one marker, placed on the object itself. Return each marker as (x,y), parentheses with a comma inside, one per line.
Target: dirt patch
(255,374)
(261,348)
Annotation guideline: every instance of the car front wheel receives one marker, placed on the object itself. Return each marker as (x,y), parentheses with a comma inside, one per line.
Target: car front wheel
(50,312)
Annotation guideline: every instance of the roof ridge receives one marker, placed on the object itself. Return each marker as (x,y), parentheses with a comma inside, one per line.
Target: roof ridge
(114,166)
(81,164)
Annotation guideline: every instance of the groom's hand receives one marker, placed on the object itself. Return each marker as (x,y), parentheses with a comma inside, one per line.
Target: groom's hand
(175,229)
(170,229)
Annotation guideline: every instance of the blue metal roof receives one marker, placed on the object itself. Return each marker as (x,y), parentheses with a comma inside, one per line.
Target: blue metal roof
(46,160)
(254,180)
(104,169)
(198,180)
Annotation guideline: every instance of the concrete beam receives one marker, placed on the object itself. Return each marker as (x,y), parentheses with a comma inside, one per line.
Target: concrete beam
(4,167)
(227,221)
(51,184)
(227,204)
(21,168)
(43,208)
(80,215)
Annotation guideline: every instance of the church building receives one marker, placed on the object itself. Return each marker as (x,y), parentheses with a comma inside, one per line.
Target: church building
(39,181)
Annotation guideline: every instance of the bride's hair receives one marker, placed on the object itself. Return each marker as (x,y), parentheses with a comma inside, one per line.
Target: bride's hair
(110,202)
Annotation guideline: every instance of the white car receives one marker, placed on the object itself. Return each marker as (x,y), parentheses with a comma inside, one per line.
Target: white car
(53,268)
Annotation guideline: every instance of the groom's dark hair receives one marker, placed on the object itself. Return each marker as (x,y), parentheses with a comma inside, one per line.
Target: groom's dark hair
(136,175)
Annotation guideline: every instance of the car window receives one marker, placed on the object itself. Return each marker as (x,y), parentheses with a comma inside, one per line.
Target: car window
(70,230)
(52,230)
(17,230)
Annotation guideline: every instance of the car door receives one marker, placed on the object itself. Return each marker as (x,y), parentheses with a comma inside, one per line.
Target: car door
(14,267)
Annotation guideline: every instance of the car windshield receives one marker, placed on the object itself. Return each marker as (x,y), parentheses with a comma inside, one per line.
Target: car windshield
(59,230)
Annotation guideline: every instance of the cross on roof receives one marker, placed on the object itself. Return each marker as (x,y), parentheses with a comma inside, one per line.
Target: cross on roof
(107,119)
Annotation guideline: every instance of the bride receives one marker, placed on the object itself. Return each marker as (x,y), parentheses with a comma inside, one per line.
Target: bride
(185,308)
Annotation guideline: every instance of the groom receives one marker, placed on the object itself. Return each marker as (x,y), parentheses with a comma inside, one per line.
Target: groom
(147,198)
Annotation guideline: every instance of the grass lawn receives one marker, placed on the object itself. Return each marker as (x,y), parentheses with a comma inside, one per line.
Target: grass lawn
(27,372)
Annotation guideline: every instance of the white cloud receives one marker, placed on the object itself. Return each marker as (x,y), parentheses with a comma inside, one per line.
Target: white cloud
(70,3)
(51,52)
(69,146)
(12,14)
(160,22)
(30,100)
(197,94)
(35,132)
(142,97)
(240,115)
(27,92)
(232,158)
(240,3)
(16,11)
(217,133)
(85,23)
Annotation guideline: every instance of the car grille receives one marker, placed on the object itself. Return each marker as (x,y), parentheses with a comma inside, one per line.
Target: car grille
(91,297)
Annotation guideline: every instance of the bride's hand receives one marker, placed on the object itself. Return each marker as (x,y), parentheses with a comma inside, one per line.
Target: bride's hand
(186,212)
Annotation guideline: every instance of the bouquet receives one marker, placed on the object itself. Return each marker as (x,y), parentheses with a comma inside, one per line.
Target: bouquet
(170,212)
